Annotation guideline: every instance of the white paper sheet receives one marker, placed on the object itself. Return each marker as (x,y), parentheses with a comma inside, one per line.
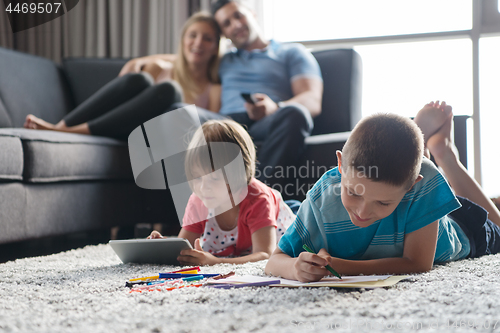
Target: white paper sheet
(324,281)
(332,280)
(243,279)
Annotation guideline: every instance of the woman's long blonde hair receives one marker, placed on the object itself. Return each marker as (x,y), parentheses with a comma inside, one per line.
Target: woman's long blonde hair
(182,73)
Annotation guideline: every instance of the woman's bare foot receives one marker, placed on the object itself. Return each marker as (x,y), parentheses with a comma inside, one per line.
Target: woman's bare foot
(34,122)
(432,117)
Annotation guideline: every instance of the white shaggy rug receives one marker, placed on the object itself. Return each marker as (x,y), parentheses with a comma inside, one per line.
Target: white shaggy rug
(84,291)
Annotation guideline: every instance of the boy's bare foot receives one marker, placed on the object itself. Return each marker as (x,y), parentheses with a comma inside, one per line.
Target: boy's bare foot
(441,145)
(432,117)
(34,122)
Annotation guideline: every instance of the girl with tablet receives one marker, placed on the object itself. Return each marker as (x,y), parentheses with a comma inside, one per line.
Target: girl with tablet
(224,223)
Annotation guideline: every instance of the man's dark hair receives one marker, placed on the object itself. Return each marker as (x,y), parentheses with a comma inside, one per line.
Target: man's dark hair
(218,5)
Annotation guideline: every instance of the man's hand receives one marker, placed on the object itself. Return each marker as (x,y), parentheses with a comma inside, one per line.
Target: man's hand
(197,256)
(137,65)
(310,267)
(264,106)
(160,70)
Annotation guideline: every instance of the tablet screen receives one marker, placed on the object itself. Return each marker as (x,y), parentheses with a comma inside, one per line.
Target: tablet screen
(151,251)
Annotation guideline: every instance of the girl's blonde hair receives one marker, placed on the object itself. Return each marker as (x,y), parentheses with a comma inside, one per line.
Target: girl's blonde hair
(182,73)
(227,131)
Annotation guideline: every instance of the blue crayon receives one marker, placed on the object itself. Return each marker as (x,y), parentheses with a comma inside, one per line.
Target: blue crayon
(178,275)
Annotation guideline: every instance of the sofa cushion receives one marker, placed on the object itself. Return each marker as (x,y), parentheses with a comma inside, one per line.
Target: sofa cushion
(4,116)
(87,75)
(30,84)
(11,157)
(49,156)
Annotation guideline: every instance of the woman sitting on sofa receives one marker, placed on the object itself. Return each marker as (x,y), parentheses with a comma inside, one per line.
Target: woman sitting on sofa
(148,87)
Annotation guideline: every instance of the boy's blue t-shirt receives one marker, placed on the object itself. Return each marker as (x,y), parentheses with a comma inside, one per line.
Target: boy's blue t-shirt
(323,222)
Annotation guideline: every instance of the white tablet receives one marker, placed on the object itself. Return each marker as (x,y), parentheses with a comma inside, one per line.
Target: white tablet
(151,251)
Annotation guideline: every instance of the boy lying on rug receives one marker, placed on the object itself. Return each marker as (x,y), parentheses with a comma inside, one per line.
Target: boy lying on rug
(386,209)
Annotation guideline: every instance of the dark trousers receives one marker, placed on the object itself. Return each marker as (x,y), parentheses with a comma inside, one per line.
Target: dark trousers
(280,140)
(128,101)
(483,234)
(123,104)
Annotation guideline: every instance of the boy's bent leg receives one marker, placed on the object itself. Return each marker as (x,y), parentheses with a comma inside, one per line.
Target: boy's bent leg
(444,152)
(483,234)
(283,137)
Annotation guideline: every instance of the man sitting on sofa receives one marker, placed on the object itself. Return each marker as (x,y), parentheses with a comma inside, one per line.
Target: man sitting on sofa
(285,82)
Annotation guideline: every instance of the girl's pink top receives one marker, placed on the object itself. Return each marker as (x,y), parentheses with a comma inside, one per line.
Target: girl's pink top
(259,209)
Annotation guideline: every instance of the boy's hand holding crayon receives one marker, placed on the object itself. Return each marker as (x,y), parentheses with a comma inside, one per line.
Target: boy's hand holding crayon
(310,266)
(332,262)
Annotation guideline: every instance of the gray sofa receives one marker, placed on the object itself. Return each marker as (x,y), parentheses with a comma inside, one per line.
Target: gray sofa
(59,183)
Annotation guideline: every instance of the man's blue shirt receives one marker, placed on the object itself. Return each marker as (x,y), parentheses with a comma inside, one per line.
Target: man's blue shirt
(270,71)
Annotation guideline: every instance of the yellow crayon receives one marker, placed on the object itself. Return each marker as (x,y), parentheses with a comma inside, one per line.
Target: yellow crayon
(147,278)
(194,271)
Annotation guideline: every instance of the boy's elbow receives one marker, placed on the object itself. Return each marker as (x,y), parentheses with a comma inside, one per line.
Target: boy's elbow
(270,265)
(268,269)
(427,268)
(422,267)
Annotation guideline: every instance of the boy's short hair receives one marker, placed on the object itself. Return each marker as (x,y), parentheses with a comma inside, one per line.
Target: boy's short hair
(223,131)
(385,147)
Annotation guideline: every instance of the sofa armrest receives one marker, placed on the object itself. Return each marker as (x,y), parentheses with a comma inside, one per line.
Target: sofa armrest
(31,84)
(460,137)
(342,85)
(327,138)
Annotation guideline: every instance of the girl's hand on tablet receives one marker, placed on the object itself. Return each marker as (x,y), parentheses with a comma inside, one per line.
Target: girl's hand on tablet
(197,256)
(155,235)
